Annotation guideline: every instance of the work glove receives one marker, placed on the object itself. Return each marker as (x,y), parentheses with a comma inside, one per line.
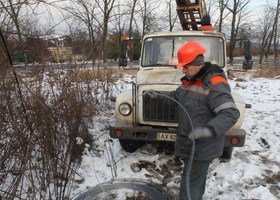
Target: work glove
(153,94)
(200,132)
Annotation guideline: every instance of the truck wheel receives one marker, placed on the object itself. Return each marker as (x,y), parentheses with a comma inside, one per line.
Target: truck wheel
(130,145)
(227,153)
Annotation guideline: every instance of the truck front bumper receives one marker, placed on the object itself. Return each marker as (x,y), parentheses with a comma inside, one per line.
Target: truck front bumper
(235,138)
(146,133)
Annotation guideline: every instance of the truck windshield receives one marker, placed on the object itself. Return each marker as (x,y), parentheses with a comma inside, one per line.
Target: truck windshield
(162,51)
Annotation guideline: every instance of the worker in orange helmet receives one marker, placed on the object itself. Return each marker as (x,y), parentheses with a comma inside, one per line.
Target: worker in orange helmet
(206,96)
(206,24)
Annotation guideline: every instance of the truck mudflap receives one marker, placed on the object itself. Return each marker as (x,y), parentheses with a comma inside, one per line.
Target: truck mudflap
(235,138)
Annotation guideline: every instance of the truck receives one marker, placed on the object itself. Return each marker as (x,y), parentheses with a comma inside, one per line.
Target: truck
(140,118)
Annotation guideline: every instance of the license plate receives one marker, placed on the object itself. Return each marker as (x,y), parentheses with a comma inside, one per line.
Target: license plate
(166,136)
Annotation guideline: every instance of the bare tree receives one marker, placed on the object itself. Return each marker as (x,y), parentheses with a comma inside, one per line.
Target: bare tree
(172,14)
(148,15)
(222,6)
(268,31)
(130,29)
(95,15)
(119,28)
(106,7)
(132,7)
(275,27)
(237,11)
(20,22)
(14,9)
(86,12)
(264,31)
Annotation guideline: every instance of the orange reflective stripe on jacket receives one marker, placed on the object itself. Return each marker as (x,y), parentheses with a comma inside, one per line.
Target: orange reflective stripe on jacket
(197,83)
(197,86)
(207,28)
(218,79)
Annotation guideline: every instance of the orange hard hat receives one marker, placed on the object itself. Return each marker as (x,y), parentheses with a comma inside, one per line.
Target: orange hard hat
(188,52)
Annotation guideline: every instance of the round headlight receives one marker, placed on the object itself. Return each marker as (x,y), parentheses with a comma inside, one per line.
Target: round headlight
(125,109)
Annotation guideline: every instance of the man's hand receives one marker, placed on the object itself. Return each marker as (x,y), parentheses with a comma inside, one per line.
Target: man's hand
(201,132)
(153,94)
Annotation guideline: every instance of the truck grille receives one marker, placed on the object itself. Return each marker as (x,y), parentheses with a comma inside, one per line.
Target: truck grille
(154,110)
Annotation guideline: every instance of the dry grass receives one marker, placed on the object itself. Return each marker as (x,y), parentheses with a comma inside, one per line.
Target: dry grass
(114,73)
(267,72)
(44,128)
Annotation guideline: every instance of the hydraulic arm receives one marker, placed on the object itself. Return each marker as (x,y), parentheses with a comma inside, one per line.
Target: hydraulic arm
(190,13)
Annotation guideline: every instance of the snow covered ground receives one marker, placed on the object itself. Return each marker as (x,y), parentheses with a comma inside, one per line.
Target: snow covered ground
(252,173)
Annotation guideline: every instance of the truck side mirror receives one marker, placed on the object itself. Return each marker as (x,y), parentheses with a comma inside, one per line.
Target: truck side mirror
(247,50)
(122,54)
(248,63)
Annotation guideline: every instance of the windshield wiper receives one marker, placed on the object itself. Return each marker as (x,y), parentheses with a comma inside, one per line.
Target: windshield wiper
(157,64)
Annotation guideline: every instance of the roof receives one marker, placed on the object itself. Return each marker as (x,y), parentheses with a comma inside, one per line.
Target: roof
(185,33)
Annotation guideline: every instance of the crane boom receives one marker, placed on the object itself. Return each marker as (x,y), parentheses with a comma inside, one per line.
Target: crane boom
(190,13)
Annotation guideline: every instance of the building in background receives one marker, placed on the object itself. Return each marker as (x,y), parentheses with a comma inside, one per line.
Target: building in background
(58,49)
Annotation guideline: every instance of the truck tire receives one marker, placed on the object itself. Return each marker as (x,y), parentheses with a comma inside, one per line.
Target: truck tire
(227,153)
(130,145)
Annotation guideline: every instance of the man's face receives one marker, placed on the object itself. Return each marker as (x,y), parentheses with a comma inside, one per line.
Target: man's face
(190,70)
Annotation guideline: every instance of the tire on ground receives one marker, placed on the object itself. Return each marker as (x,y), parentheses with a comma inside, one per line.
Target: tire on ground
(227,153)
(131,146)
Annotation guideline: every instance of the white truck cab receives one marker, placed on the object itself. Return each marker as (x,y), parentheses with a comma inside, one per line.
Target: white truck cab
(138,118)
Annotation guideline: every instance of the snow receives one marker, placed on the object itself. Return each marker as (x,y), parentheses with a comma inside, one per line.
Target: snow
(252,173)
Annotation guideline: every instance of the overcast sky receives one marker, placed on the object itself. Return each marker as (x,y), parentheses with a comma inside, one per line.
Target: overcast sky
(254,6)
(257,3)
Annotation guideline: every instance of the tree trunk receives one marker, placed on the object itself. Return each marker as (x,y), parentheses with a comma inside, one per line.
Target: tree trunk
(275,34)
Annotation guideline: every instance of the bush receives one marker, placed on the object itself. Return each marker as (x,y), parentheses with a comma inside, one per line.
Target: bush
(44,129)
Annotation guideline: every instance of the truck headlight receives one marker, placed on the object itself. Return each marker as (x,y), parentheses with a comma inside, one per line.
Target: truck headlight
(125,109)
